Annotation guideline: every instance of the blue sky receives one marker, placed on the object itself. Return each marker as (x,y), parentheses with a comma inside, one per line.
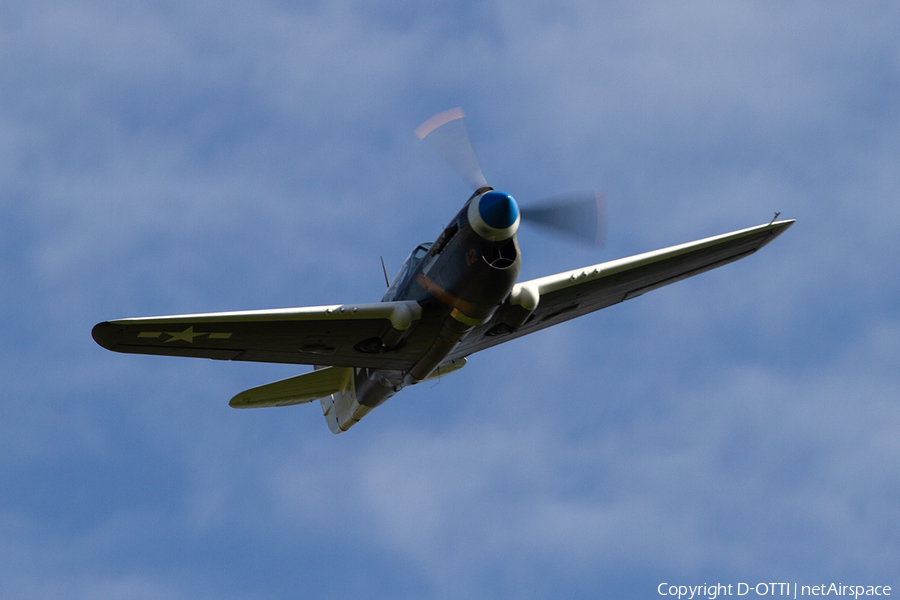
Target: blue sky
(169,157)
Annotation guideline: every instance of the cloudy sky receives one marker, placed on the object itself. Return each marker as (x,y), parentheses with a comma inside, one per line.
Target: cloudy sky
(168,157)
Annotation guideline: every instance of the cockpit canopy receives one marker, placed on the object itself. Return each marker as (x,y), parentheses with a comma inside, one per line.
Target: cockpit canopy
(411,262)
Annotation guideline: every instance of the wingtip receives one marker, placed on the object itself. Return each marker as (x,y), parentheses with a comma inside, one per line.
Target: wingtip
(774,229)
(100,333)
(783,225)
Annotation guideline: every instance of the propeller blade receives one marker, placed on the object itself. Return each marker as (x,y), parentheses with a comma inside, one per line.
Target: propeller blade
(582,216)
(446,135)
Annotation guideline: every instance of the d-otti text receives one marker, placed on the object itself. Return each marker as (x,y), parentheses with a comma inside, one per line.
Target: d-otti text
(770,589)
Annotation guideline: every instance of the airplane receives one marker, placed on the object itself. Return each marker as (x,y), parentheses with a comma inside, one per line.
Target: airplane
(453,297)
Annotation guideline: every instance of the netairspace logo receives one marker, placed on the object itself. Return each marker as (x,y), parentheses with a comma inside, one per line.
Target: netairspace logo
(794,590)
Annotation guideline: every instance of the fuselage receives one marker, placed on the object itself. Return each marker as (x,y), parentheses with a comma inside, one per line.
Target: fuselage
(459,280)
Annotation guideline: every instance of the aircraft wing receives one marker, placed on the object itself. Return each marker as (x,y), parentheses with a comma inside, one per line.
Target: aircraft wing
(574,293)
(319,335)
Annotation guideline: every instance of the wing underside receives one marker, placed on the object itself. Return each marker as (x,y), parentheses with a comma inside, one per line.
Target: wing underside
(574,293)
(324,335)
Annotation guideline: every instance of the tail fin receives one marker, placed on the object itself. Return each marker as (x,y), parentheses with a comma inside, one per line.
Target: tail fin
(341,408)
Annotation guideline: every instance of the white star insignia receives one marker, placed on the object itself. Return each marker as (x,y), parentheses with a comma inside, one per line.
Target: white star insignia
(187,335)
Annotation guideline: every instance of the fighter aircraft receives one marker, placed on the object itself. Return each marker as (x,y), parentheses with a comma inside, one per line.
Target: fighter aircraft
(451,298)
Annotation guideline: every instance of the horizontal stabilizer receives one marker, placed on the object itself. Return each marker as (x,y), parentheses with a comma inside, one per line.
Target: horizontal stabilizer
(295,390)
